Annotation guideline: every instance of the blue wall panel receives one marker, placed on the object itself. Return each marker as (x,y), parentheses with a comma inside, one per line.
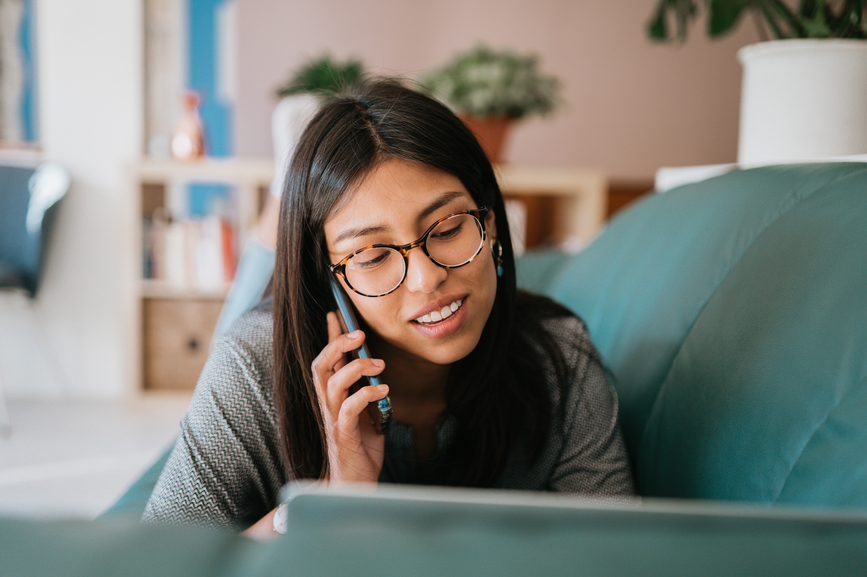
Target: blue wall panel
(202,76)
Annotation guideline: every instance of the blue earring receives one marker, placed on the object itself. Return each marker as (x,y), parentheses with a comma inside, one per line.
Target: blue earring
(498,259)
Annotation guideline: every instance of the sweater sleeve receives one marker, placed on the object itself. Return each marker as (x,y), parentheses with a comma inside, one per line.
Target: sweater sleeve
(225,467)
(592,457)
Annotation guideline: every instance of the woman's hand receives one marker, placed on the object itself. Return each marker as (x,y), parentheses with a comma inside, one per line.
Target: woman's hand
(355,449)
(263,529)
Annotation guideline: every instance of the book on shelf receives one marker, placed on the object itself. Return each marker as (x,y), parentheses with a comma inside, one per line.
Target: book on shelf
(192,253)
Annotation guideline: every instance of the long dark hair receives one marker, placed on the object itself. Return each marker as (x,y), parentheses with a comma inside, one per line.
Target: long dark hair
(495,391)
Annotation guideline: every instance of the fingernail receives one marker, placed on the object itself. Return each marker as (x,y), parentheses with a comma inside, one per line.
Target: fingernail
(382,388)
(377,363)
(354,335)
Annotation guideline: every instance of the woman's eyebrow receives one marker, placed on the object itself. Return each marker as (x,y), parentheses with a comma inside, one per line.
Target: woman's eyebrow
(443,200)
(440,202)
(362,231)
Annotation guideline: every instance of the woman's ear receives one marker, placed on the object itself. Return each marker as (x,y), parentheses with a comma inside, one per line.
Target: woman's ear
(491,226)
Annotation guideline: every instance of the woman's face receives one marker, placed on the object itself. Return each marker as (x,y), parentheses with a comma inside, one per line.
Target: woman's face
(395,204)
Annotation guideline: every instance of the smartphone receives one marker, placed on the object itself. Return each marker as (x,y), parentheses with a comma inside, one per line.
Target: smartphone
(380,411)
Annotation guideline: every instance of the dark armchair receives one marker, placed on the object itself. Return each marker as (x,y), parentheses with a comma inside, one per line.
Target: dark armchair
(28,202)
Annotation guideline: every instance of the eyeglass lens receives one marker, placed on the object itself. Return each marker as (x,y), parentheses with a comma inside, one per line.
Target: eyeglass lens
(453,242)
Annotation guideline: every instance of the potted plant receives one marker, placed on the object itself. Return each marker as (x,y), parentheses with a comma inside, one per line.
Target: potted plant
(812,18)
(804,92)
(323,76)
(312,83)
(489,89)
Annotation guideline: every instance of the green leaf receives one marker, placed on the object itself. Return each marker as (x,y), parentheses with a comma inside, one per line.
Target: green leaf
(657,29)
(325,76)
(683,10)
(724,15)
(485,82)
(771,19)
(848,22)
(813,21)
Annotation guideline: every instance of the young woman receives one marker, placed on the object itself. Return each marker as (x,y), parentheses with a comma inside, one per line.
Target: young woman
(390,194)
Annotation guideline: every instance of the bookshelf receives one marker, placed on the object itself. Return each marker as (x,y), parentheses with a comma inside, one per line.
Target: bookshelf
(173,321)
(176,309)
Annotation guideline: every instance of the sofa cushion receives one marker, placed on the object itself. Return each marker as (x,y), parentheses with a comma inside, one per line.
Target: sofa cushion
(731,314)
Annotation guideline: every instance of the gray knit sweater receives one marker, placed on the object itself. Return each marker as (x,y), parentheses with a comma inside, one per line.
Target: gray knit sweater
(225,466)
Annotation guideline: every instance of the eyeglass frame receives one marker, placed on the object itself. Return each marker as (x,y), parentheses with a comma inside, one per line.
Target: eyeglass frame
(479,214)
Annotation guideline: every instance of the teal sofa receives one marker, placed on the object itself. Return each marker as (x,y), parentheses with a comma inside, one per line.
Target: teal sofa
(732,316)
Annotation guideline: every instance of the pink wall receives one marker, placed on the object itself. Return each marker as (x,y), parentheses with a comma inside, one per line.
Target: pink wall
(632,106)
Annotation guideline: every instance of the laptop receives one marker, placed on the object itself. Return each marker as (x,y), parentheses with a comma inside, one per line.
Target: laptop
(410,530)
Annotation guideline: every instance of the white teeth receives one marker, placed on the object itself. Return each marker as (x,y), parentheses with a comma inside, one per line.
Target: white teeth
(444,313)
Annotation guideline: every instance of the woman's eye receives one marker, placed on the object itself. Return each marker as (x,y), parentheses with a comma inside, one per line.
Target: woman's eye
(371,258)
(448,233)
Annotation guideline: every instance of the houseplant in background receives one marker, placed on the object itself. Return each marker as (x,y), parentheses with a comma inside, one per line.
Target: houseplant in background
(490,89)
(811,19)
(323,76)
(312,83)
(804,93)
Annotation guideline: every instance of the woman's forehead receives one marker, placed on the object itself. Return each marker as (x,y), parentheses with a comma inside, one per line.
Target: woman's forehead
(399,189)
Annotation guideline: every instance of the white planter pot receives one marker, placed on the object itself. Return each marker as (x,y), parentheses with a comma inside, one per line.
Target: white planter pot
(803,99)
(288,122)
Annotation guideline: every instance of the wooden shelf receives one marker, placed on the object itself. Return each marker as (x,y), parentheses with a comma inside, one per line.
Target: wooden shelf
(156,289)
(173,323)
(582,193)
(257,171)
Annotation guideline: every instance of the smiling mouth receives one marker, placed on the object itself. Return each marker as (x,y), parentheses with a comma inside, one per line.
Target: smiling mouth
(436,317)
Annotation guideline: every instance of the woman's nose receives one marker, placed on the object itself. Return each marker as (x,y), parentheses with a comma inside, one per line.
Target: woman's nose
(422,274)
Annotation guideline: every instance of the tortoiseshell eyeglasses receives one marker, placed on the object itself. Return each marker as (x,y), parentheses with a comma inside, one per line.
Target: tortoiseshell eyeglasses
(451,242)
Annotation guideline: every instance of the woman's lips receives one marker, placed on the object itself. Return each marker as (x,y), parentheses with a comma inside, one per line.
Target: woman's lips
(446,326)
(436,305)
(438,315)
